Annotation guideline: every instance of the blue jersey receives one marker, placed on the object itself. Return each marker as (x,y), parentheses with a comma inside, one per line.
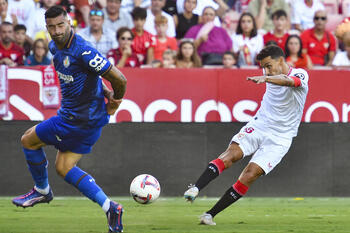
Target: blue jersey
(79,66)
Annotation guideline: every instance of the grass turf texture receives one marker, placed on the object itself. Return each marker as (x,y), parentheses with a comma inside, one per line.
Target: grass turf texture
(261,215)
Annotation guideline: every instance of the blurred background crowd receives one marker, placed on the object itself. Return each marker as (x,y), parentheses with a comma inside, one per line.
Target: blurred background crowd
(185,33)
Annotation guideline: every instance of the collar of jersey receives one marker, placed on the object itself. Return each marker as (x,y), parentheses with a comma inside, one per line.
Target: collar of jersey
(69,42)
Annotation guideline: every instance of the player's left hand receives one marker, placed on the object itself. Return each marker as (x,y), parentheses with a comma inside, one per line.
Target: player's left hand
(257,79)
(112,104)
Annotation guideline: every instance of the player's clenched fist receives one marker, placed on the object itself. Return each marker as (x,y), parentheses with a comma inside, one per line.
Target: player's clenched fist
(112,104)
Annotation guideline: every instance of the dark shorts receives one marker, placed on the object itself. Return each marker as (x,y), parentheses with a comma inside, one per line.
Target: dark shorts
(67,137)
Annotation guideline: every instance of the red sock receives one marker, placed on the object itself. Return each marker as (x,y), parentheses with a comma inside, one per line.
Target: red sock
(219,164)
(240,188)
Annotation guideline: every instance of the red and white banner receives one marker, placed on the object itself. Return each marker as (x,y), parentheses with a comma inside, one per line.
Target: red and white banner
(189,95)
(3,91)
(51,91)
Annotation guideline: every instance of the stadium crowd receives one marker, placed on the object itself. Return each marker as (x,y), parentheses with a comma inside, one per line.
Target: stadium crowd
(185,33)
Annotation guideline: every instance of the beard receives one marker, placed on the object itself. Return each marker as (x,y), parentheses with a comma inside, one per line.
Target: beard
(61,39)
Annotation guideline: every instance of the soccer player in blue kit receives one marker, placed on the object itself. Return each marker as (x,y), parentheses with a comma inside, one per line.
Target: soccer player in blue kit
(80,119)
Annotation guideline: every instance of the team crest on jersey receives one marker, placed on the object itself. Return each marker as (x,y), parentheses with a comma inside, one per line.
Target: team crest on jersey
(13,56)
(249,130)
(300,76)
(66,62)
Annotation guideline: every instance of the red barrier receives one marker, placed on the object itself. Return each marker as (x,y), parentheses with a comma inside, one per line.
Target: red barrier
(191,95)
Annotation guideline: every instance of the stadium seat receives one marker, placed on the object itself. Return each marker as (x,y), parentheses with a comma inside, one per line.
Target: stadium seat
(332,6)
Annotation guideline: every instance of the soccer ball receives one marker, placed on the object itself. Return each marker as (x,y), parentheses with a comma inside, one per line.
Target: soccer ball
(145,189)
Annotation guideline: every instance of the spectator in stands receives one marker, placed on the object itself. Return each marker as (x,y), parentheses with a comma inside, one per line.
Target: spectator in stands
(185,20)
(280,31)
(239,6)
(116,18)
(187,56)
(247,43)
(170,7)
(24,10)
(153,12)
(342,58)
(4,15)
(83,7)
(144,41)
(39,56)
(229,60)
(262,11)
(100,37)
(163,42)
(39,24)
(230,21)
(218,5)
(210,40)
(303,13)
(124,55)
(319,43)
(22,40)
(294,56)
(10,53)
(169,58)
(129,5)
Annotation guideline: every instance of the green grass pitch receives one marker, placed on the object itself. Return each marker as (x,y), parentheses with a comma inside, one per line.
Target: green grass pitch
(260,215)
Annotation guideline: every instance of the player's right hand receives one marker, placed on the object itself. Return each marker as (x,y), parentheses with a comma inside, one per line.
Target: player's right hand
(112,104)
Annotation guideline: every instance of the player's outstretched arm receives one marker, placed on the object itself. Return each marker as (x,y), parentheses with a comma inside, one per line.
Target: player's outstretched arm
(281,80)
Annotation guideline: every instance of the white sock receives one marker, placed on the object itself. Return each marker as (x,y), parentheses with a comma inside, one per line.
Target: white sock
(43,191)
(106,205)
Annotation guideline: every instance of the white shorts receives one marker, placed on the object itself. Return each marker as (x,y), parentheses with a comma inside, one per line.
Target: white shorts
(267,149)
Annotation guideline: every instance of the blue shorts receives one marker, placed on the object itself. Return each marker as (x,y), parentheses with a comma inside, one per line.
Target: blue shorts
(67,137)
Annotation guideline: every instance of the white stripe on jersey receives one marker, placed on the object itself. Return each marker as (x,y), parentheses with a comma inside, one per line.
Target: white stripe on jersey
(282,107)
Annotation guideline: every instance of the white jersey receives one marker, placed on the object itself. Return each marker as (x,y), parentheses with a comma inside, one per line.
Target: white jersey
(282,107)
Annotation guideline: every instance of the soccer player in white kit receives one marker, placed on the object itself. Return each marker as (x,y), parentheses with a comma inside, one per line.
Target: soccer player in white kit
(267,137)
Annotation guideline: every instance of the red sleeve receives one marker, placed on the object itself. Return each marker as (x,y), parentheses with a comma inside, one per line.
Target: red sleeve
(266,38)
(152,41)
(20,53)
(173,43)
(332,42)
(297,81)
(304,39)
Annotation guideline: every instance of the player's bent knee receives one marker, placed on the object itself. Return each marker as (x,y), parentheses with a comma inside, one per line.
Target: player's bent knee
(26,142)
(62,169)
(30,141)
(249,175)
(232,154)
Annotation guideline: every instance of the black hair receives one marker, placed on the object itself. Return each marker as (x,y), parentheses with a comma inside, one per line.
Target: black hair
(19,27)
(271,42)
(121,31)
(139,13)
(300,42)
(55,11)
(239,27)
(5,23)
(278,14)
(272,51)
(229,53)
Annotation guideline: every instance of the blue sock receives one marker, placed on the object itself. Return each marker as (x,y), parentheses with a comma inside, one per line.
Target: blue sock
(37,164)
(86,184)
